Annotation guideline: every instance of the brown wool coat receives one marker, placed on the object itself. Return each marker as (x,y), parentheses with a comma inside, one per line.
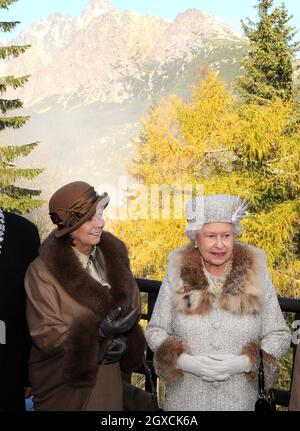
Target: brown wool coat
(64,307)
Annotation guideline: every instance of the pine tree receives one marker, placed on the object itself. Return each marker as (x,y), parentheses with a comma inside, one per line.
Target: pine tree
(271,62)
(14,197)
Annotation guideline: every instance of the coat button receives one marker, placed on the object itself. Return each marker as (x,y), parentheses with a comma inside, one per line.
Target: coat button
(216,385)
(216,325)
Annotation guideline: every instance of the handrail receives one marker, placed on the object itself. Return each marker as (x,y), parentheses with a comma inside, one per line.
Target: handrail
(287,304)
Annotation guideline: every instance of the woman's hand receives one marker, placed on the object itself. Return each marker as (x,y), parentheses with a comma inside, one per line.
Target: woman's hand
(197,365)
(219,365)
(115,350)
(114,323)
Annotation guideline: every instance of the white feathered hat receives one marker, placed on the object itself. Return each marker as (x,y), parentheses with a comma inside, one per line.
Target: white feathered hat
(214,209)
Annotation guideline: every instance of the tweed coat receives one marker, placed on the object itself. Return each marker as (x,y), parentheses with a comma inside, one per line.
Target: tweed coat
(190,317)
(65,305)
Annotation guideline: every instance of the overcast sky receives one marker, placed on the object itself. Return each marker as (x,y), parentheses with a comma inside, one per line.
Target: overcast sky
(230,11)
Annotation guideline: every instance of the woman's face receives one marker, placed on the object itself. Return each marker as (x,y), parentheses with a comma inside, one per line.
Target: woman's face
(88,234)
(215,243)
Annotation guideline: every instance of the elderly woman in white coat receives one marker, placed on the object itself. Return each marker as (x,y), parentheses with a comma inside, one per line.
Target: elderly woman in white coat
(215,310)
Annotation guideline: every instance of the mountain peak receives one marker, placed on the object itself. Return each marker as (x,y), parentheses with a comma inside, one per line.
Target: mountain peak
(96,8)
(204,23)
(193,13)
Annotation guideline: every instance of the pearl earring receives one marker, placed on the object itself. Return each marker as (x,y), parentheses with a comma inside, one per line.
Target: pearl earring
(195,245)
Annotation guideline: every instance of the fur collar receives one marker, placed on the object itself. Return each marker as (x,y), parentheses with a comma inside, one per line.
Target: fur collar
(242,292)
(64,265)
(83,352)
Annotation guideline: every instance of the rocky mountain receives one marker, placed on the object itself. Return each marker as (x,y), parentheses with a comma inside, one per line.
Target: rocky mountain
(93,77)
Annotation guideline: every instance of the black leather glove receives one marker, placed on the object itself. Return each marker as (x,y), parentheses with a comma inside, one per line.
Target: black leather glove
(115,350)
(115,323)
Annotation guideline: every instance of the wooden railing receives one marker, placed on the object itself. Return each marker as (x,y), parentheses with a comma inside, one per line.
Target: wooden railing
(288,305)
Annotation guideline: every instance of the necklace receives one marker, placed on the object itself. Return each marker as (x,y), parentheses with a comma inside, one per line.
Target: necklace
(2,228)
(217,281)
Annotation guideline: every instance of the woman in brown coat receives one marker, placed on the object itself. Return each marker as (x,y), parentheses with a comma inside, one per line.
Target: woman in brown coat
(82,309)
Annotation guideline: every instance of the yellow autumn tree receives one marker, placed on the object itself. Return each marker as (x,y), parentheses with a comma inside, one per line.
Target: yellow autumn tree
(171,153)
(214,141)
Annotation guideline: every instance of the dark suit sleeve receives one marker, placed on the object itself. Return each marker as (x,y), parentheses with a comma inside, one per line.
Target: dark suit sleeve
(19,248)
(34,245)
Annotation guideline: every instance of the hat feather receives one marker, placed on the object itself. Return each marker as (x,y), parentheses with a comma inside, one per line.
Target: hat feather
(240,212)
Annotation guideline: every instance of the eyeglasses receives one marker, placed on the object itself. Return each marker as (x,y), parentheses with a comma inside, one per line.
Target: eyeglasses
(213,238)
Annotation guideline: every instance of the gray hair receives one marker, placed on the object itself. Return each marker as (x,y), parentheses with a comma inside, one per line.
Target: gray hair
(192,233)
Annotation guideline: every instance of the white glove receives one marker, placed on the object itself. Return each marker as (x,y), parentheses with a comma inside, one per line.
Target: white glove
(196,365)
(216,366)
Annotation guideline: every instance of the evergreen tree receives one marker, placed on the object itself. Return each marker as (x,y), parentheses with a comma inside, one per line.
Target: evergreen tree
(270,66)
(13,197)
